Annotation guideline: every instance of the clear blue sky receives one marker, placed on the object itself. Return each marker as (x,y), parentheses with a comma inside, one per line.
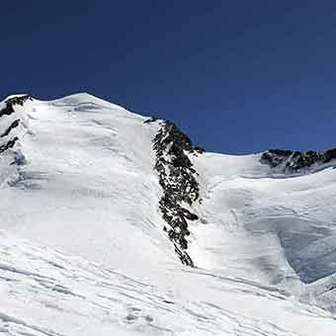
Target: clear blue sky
(239,76)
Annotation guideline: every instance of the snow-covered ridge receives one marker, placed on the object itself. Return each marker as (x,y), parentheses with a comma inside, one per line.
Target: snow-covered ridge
(86,192)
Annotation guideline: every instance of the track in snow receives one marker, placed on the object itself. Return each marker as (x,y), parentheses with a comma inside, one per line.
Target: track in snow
(44,292)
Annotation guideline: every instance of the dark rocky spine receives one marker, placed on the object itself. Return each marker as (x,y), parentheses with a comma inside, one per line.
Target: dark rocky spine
(8,110)
(178,179)
(294,161)
(9,144)
(13,125)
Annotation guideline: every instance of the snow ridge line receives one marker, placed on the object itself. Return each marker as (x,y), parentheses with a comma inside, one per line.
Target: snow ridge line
(178,180)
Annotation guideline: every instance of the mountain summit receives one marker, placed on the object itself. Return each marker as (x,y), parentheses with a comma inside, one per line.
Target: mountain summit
(117,224)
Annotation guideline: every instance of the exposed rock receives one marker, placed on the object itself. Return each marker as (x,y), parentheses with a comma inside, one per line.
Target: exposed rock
(7,110)
(329,155)
(150,120)
(18,100)
(177,178)
(12,126)
(8,144)
(294,161)
(11,102)
(199,149)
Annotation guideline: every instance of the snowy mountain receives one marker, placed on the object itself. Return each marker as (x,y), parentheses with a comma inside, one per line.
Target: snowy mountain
(116,224)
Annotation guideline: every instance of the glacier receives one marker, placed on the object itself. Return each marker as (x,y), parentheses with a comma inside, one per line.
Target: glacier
(87,247)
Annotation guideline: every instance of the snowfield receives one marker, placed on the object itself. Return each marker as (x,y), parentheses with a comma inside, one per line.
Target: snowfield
(83,250)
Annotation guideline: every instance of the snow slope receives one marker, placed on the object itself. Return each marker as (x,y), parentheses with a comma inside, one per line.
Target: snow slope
(89,169)
(282,229)
(83,251)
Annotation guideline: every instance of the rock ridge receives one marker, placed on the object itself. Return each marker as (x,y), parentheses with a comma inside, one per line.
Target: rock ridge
(178,179)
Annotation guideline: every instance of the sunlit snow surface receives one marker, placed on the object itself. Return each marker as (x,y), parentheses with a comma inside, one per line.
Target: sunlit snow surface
(83,252)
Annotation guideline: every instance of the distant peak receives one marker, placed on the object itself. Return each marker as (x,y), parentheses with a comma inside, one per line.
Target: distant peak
(84,97)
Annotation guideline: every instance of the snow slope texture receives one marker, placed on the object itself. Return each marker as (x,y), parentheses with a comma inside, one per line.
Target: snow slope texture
(83,249)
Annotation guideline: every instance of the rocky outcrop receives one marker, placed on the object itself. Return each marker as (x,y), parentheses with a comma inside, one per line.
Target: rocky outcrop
(9,144)
(13,125)
(7,110)
(178,179)
(295,161)
(11,102)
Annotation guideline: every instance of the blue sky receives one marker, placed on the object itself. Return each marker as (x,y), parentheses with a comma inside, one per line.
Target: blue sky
(238,76)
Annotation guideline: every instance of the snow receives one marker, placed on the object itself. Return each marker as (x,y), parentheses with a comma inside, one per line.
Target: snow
(85,175)
(83,252)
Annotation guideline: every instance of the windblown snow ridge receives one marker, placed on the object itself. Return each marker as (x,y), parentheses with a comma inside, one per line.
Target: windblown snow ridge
(178,179)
